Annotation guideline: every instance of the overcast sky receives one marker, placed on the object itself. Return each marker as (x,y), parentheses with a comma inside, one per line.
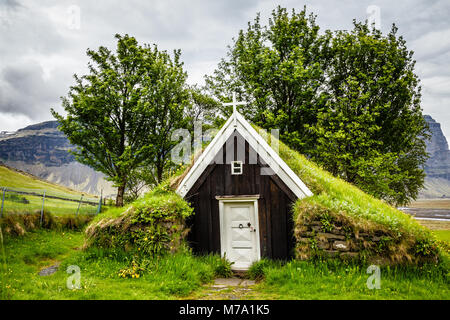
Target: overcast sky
(43,43)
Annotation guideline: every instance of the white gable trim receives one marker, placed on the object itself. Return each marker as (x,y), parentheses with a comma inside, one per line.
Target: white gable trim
(269,156)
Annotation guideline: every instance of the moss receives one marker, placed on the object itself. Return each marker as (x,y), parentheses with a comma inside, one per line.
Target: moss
(378,242)
(152,225)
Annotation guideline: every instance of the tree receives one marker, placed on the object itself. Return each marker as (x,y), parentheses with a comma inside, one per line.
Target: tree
(371,130)
(350,100)
(202,106)
(120,115)
(139,180)
(279,70)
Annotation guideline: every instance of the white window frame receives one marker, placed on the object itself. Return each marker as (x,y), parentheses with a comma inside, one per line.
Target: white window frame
(240,168)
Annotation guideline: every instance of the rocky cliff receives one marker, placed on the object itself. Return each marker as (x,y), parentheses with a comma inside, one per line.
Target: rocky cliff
(42,150)
(40,143)
(437,168)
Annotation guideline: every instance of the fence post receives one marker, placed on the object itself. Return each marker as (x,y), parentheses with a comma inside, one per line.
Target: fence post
(79,203)
(42,210)
(99,209)
(3,201)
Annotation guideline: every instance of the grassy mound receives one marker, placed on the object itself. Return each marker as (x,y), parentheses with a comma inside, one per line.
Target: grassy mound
(153,224)
(369,227)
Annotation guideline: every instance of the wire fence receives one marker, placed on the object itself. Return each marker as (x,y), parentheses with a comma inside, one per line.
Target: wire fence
(25,201)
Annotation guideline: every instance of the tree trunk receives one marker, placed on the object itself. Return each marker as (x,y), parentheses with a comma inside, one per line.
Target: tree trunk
(119,198)
(159,173)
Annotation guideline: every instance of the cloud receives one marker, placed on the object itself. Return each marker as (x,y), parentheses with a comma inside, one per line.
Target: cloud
(44,49)
(24,90)
(9,121)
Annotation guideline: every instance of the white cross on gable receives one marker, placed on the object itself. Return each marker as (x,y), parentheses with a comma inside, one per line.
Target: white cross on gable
(234,103)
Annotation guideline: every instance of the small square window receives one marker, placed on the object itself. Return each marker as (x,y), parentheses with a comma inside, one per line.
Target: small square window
(236,167)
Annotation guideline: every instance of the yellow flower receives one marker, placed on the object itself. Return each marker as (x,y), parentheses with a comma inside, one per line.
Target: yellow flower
(137,275)
(145,239)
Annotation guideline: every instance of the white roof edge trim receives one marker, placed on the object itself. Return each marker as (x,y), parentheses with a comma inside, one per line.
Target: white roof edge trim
(275,156)
(238,122)
(212,145)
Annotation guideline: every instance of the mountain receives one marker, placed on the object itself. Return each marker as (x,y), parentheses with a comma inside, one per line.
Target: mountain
(42,150)
(437,168)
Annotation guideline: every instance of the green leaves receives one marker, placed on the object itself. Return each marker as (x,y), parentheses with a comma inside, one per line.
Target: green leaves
(350,100)
(371,130)
(120,115)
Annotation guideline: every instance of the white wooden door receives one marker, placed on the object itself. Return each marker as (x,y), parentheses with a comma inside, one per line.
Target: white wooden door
(240,233)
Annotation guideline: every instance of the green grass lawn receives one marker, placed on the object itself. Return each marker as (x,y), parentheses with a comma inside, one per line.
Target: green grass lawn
(168,278)
(306,280)
(182,276)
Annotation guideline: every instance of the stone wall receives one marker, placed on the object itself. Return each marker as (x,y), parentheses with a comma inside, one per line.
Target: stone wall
(316,238)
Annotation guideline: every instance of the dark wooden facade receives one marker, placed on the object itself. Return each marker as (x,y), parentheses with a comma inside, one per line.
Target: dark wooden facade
(274,204)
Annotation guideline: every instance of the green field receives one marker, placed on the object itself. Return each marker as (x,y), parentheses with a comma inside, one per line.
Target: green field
(182,276)
(16,203)
(14,179)
(443,235)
